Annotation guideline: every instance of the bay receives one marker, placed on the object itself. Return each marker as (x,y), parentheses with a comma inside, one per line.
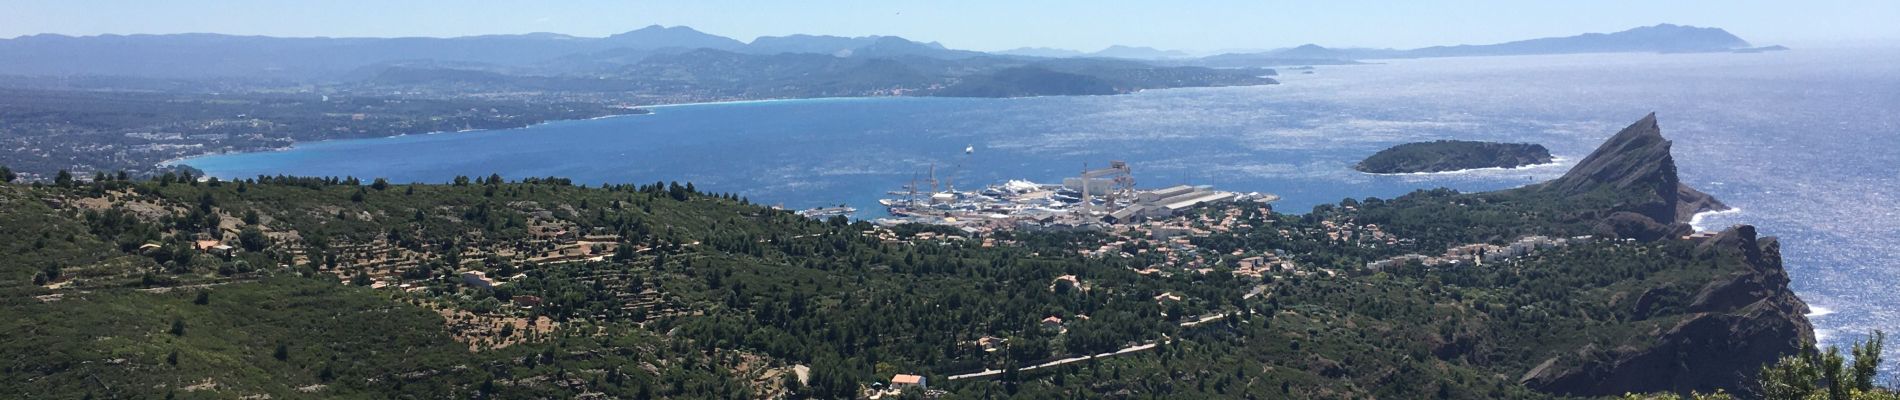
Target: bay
(1805,143)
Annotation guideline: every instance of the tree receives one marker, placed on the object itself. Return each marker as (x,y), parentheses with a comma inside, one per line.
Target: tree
(204,297)
(63,179)
(1867,357)
(178,327)
(380,184)
(7,175)
(252,239)
(52,272)
(1813,374)
(282,353)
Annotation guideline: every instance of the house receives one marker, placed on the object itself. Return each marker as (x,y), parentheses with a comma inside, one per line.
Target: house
(477,279)
(1253,262)
(212,246)
(907,381)
(990,343)
(1052,322)
(527,300)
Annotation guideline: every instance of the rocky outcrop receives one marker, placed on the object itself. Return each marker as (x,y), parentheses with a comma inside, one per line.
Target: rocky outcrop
(1712,335)
(1637,167)
(1735,323)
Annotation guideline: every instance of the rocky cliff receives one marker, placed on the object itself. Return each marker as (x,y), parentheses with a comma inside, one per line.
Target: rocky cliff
(1635,165)
(1735,323)
(1724,329)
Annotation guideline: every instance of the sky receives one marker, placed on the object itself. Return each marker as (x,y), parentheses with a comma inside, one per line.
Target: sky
(984,24)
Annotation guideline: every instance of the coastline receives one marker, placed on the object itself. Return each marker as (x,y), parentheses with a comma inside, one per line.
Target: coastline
(182,161)
(178,161)
(651,109)
(761,101)
(1554,162)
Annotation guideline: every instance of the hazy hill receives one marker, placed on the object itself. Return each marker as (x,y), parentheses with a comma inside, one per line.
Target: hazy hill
(821,44)
(899,70)
(213,55)
(1138,53)
(655,36)
(1049,52)
(199,56)
(1663,38)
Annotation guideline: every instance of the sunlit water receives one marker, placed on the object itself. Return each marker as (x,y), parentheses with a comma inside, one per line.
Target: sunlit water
(1802,142)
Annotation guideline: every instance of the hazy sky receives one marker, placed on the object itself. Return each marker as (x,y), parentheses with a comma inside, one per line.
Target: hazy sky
(984,25)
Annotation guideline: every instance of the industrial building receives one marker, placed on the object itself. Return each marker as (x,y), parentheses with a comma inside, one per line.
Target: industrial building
(1092,198)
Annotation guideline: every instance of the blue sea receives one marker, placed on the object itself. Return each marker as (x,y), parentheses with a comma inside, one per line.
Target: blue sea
(1805,143)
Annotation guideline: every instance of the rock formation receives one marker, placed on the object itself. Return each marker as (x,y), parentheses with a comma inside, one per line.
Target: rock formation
(1727,326)
(1735,322)
(1636,165)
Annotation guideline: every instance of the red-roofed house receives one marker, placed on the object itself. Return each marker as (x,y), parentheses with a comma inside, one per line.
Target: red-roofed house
(906,381)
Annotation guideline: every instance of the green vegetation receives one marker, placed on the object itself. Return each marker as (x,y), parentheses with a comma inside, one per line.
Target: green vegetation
(1813,375)
(1817,375)
(334,288)
(1027,81)
(1452,155)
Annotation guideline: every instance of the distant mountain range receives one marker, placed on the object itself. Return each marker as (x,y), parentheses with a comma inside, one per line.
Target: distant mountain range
(1662,38)
(199,56)
(719,74)
(1116,51)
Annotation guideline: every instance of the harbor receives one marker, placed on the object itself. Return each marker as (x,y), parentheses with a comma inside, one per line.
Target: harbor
(1092,199)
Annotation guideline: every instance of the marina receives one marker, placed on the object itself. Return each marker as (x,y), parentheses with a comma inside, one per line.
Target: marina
(1093,199)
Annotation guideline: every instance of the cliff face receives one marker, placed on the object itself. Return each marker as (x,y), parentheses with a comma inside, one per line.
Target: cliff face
(1636,164)
(1728,326)
(1736,322)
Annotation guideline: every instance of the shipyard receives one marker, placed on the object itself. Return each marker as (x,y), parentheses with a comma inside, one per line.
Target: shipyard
(1094,199)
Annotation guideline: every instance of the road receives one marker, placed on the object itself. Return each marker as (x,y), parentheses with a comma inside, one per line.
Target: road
(1257,290)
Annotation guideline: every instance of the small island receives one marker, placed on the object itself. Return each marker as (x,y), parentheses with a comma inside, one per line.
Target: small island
(1453,155)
